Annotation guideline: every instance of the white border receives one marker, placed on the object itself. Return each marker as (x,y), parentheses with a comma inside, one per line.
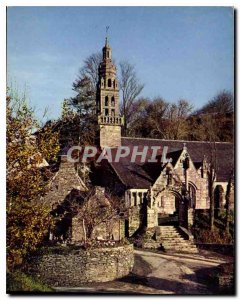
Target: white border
(3,4)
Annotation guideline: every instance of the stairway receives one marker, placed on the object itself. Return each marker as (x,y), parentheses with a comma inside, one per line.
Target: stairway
(172,240)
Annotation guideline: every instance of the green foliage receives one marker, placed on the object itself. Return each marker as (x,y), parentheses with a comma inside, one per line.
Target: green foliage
(20,282)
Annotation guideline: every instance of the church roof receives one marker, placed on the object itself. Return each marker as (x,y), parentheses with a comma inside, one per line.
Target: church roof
(142,175)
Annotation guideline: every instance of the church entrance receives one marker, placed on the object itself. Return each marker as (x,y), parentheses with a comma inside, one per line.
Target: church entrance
(179,217)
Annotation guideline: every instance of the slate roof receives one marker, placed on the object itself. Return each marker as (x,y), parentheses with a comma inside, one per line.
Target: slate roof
(142,175)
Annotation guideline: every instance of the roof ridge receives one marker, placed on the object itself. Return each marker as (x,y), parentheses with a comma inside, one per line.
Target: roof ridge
(168,140)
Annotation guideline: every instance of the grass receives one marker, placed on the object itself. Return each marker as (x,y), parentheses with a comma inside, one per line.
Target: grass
(18,281)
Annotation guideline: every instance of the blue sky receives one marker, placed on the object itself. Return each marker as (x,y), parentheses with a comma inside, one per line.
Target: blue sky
(178,52)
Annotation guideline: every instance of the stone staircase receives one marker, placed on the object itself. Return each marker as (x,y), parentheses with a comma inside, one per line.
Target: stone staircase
(172,238)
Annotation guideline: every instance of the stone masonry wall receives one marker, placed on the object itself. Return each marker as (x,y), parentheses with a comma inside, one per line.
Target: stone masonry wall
(82,266)
(113,230)
(133,219)
(63,183)
(110,136)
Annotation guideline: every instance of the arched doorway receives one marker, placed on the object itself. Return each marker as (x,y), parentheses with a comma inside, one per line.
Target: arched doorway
(179,211)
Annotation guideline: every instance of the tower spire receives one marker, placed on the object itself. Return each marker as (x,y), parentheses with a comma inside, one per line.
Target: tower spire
(107,100)
(106,39)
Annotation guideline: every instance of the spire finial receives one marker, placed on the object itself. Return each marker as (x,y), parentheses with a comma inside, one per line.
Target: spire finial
(106,39)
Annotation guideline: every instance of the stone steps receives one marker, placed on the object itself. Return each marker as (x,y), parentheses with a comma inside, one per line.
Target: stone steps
(172,240)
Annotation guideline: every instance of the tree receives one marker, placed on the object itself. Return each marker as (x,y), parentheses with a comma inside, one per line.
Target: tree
(83,105)
(176,118)
(221,103)
(95,209)
(131,89)
(212,168)
(215,120)
(138,116)
(228,199)
(27,215)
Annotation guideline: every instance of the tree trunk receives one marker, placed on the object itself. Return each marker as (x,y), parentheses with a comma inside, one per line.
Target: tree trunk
(84,231)
(211,213)
(228,195)
(211,195)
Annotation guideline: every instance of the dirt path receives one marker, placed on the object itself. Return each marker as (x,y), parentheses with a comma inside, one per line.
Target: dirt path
(156,273)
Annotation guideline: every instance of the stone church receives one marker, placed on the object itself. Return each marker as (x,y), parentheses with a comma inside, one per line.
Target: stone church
(174,189)
(155,193)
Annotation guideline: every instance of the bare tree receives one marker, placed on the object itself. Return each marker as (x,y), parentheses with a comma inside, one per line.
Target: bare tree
(223,102)
(176,120)
(90,70)
(211,180)
(131,89)
(156,115)
(96,209)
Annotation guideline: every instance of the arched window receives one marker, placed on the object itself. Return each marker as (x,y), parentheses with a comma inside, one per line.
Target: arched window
(113,112)
(106,112)
(106,101)
(192,196)
(112,101)
(107,54)
(109,82)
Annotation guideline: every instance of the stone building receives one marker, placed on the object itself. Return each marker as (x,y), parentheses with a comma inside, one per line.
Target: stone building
(66,196)
(158,192)
(155,193)
(109,119)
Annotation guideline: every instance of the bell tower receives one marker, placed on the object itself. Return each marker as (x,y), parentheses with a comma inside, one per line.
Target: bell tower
(109,119)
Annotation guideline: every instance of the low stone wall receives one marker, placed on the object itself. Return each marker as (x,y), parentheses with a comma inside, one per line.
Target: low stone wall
(82,266)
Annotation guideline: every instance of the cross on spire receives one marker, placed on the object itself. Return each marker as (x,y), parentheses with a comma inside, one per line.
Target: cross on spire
(106,42)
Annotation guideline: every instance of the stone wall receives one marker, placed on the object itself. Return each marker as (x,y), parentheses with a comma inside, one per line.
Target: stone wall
(113,230)
(83,266)
(63,183)
(133,219)
(110,136)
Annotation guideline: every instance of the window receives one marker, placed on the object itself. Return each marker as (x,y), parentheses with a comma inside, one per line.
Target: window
(140,197)
(169,178)
(109,82)
(106,101)
(135,199)
(112,101)
(113,112)
(107,54)
(106,112)
(192,197)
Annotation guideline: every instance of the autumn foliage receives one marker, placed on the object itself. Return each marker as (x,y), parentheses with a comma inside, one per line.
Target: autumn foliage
(27,215)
